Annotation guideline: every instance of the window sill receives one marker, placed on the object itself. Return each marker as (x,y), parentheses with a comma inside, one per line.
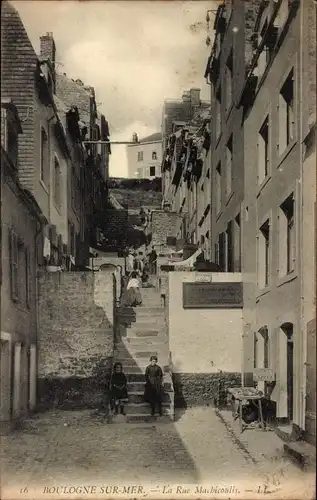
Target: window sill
(57,208)
(285,153)
(218,140)
(263,184)
(263,291)
(291,276)
(228,111)
(219,214)
(44,186)
(229,197)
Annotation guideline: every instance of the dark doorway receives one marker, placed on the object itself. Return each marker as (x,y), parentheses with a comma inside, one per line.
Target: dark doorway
(288,330)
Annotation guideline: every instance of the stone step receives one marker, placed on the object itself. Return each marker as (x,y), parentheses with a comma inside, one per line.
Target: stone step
(139,377)
(147,325)
(302,453)
(134,332)
(137,397)
(141,310)
(145,409)
(141,418)
(130,369)
(139,386)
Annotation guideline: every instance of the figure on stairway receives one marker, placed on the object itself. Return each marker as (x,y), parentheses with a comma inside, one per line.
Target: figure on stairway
(153,392)
(133,294)
(118,389)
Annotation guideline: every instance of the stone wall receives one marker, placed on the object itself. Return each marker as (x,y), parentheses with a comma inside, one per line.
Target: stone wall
(163,224)
(196,389)
(76,337)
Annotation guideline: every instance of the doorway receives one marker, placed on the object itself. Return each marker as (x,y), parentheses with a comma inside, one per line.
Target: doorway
(288,331)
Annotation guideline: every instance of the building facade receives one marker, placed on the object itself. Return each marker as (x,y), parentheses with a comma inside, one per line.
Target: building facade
(21,224)
(145,157)
(185,168)
(54,190)
(275,126)
(230,57)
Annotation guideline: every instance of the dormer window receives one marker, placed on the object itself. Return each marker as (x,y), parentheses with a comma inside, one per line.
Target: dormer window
(11,126)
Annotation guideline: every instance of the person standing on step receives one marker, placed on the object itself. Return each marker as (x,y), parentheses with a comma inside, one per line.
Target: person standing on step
(133,294)
(153,392)
(118,389)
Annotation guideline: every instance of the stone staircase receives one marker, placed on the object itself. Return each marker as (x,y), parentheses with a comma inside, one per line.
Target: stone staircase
(141,333)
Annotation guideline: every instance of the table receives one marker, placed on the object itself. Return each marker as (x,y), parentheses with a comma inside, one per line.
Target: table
(239,396)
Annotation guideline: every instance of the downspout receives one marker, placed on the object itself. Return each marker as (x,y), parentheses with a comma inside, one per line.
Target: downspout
(302,332)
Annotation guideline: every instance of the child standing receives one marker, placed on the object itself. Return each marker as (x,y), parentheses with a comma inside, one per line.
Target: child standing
(153,392)
(118,389)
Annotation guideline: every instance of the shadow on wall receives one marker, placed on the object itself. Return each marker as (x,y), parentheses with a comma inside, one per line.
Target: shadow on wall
(76,339)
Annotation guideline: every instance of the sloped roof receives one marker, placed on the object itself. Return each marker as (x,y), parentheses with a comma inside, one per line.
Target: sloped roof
(152,138)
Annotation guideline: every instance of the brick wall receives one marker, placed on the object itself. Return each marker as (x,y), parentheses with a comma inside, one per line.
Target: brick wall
(75,337)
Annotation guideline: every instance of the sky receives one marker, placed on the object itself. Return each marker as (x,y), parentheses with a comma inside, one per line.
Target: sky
(135,54)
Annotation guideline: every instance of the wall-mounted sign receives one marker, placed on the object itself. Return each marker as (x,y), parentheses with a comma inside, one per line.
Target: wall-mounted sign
(263,375)
(212,295)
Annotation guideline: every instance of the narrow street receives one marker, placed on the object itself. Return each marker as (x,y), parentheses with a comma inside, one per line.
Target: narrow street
(68,449)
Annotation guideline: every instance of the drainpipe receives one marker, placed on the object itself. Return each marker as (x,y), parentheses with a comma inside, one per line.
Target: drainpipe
(302,332)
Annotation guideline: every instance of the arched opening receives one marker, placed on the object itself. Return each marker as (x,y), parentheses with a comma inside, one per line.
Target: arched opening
(288,329)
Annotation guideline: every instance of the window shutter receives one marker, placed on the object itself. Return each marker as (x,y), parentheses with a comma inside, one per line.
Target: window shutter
(13,242)
(27,278)
(282,124)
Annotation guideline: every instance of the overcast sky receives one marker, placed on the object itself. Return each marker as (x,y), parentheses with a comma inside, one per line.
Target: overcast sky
(135,55)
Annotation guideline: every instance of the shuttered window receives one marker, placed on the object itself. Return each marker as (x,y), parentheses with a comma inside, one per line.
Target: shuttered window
(14,265)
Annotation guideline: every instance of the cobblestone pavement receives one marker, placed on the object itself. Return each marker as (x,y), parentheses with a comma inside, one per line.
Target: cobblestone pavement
(78,447)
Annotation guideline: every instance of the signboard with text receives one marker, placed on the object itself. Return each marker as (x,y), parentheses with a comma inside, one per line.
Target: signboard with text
(212,295)
(263,375)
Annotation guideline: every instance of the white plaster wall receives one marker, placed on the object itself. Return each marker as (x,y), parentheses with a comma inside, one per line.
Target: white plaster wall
(203,340)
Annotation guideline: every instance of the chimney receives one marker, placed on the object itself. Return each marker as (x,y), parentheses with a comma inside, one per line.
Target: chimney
(48,48)
(135,138)
(195,97)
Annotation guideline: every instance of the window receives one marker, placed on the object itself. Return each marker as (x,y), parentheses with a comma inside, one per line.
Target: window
(14,265)
(56,185)
(140,155)
(261,348)
(27,277)
(286,113)
(287,236)
(229,78)
(9,137)
(154,155)
(152,171)
(217,253)
(230,251)
(282,14)
(218,189)
(229,167)
(19,269)
(264,255)
(12,144)
(44,158)
(71,239)
(263,151)
(222,252)
(237,243)
(218,113)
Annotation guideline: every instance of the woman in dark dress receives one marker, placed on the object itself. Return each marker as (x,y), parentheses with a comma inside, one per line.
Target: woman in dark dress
(153,392)
(118,389)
